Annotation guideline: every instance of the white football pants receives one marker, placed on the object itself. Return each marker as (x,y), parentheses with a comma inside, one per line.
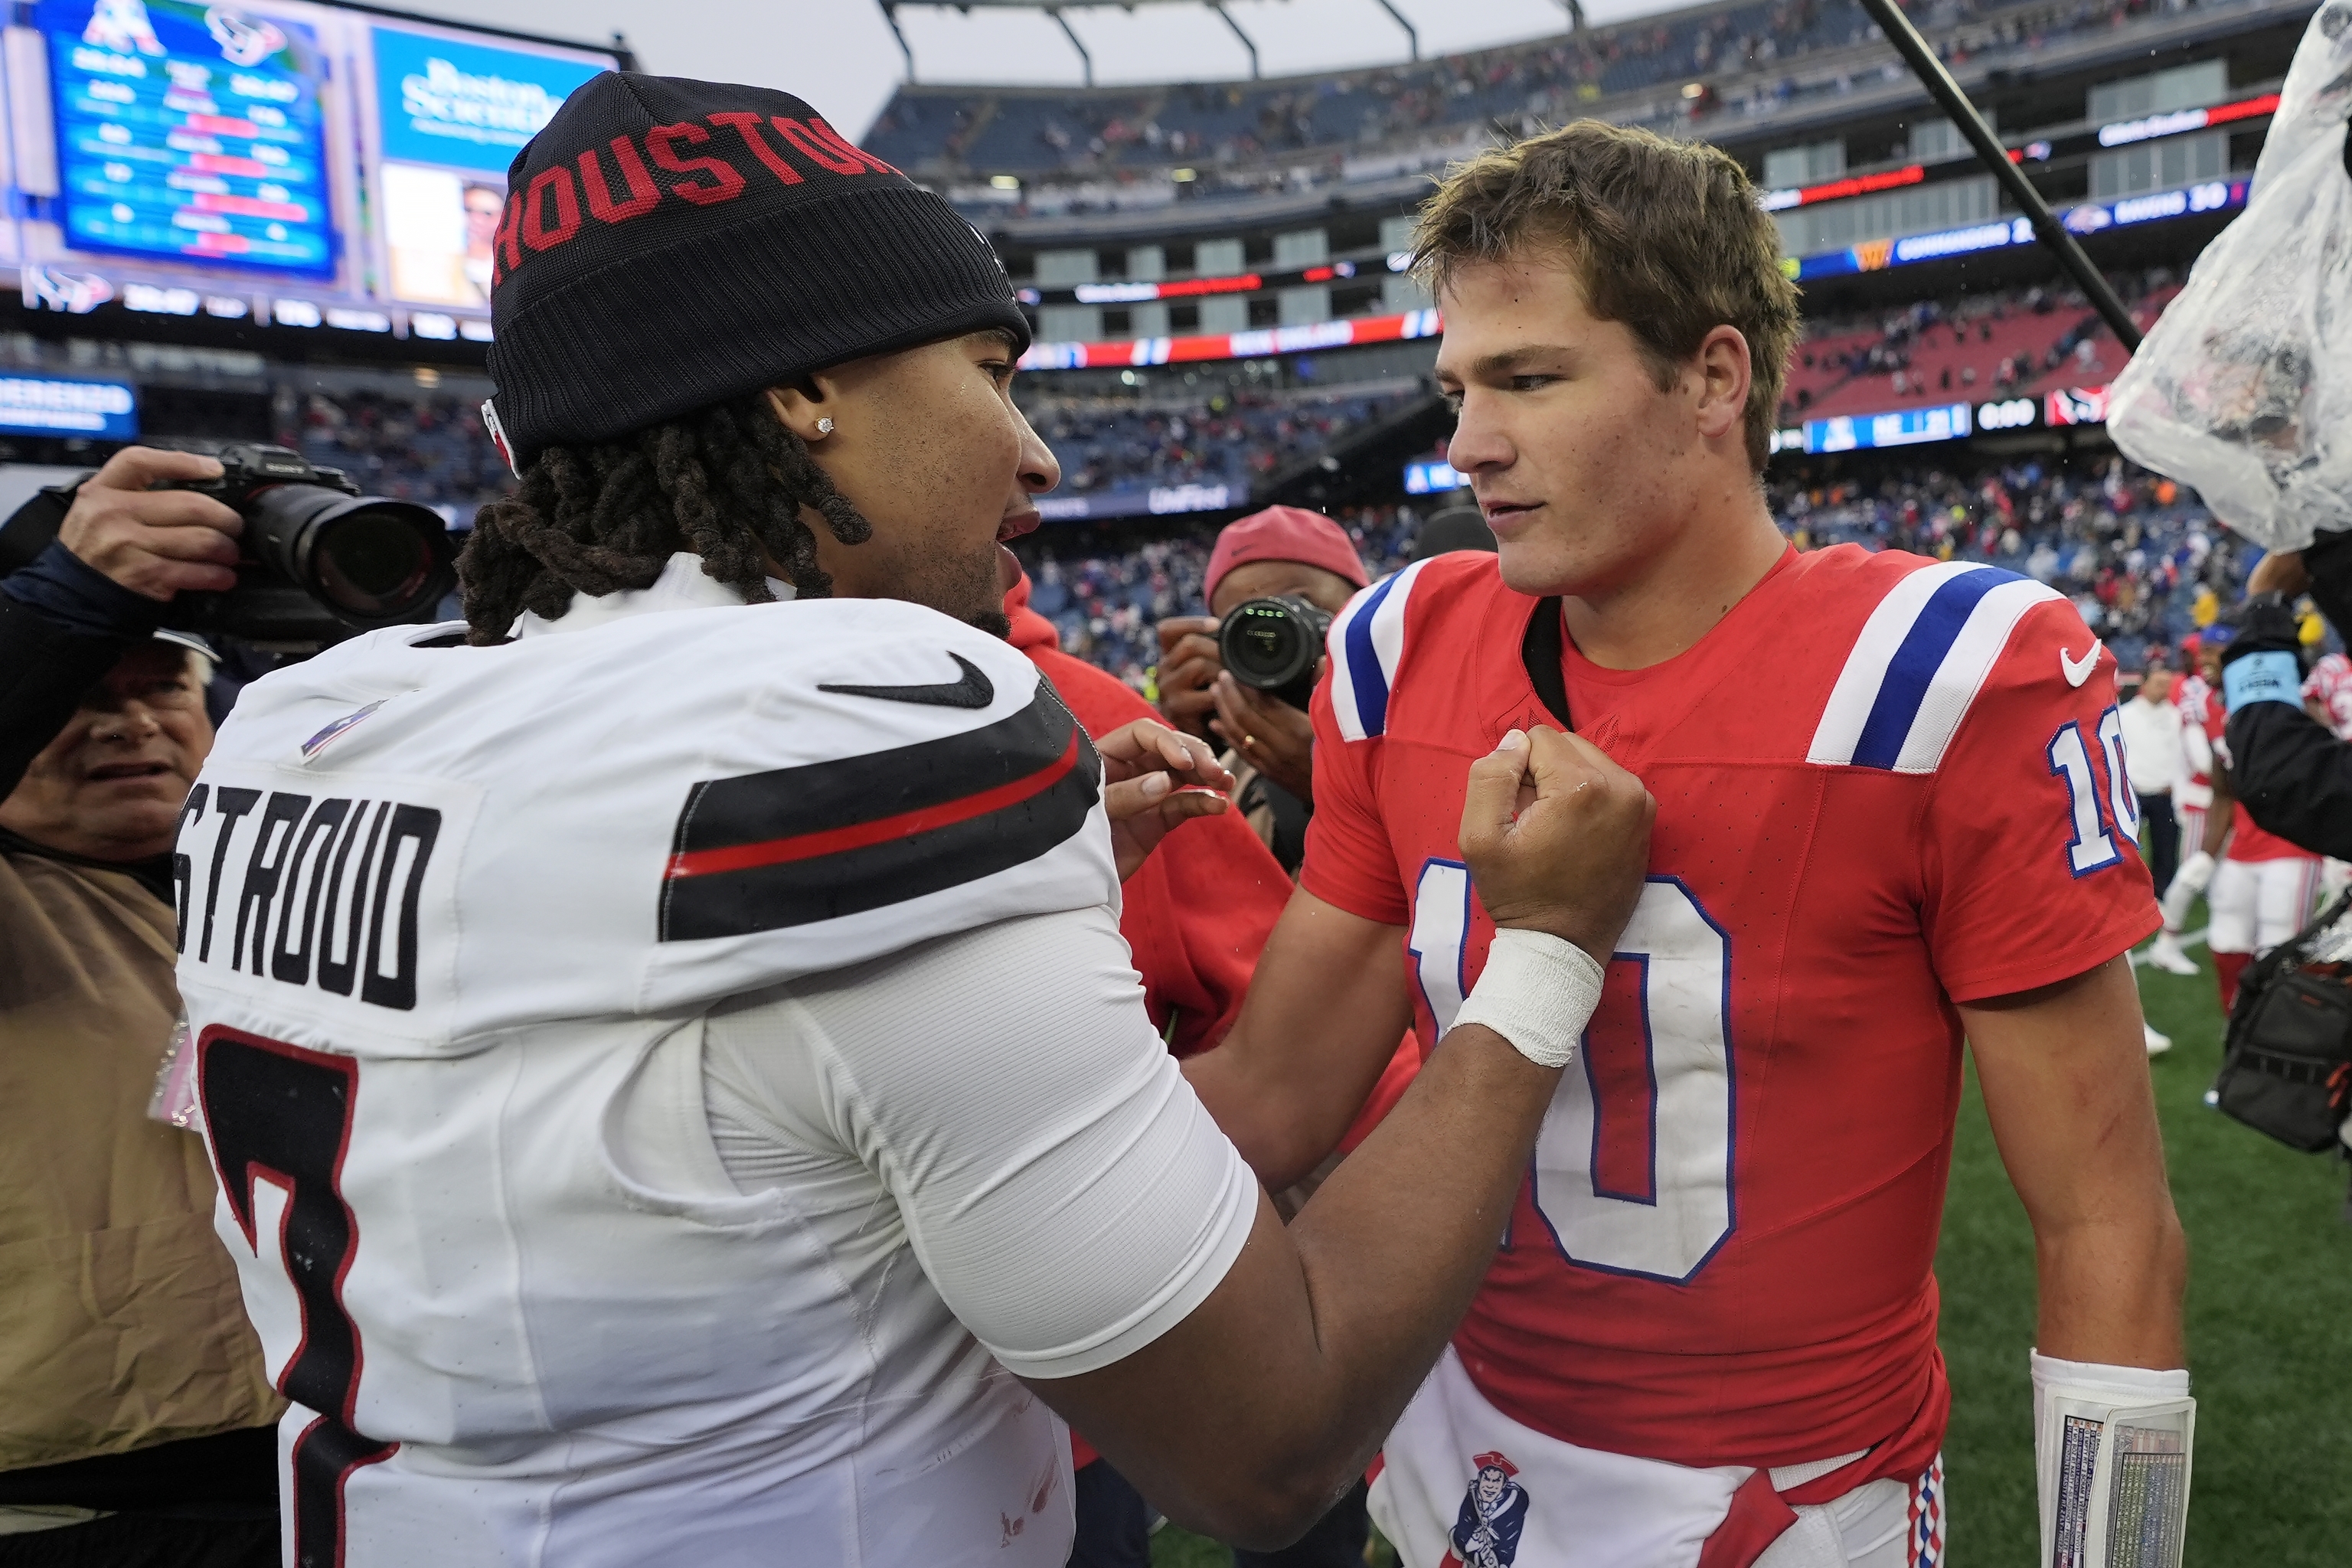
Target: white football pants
(1591,1509)
(2257,904)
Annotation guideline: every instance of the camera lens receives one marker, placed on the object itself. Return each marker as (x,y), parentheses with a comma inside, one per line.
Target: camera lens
(374,563)
(372,560)
(1264,646)
(1275,645)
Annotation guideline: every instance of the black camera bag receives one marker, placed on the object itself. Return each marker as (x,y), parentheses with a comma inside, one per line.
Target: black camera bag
(2286,1065)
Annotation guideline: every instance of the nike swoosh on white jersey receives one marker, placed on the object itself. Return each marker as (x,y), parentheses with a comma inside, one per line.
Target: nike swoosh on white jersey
(2076,674)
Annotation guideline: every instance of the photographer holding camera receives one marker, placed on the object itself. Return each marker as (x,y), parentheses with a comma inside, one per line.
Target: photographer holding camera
(1244,672)
(136,1417)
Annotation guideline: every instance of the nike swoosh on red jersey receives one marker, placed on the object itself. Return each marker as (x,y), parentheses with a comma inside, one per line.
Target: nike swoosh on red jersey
(2076,674)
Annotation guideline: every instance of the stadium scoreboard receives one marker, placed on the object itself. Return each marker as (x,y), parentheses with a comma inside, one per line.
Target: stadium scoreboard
(299,164)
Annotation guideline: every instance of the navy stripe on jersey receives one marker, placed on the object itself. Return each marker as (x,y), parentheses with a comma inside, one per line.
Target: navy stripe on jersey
(1364,663)
(1915,661)
(796,846)
(1918,664)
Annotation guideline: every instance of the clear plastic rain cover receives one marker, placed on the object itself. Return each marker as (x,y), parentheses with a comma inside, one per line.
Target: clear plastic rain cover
(2244,389)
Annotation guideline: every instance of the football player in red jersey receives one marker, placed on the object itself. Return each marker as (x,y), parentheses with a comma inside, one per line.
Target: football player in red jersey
(1710,1329)
(2259,888)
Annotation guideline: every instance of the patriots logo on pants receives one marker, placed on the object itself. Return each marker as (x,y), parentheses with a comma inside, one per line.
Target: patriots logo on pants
(1493,1512)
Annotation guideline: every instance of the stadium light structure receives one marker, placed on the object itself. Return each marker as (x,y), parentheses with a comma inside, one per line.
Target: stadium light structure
(1055,9)
(1916,53)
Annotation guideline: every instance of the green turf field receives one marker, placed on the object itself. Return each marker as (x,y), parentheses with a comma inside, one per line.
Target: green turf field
(2270,1331)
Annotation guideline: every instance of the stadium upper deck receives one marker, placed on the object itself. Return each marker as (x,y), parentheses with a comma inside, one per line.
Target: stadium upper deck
(1041,167)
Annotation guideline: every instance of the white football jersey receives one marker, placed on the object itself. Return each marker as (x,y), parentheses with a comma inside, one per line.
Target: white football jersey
(439,904)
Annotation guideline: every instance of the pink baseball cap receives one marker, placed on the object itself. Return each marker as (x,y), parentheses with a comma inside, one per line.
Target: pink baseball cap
(1285,534)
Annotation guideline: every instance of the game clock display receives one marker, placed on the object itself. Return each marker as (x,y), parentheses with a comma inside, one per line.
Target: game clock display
(190,131)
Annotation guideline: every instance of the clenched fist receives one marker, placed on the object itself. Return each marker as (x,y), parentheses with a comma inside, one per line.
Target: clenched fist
(1557,838)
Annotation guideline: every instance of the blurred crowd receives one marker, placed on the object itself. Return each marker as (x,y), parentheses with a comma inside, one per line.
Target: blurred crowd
(2140,557)
(1242,137)
(1996,344)
(2143,559)
(429,448)
(1109,444)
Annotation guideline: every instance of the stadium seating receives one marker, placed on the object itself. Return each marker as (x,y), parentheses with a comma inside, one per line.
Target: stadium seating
(2016,344)
(2131,548)
(1106,444)
(430,449)
(1744,57)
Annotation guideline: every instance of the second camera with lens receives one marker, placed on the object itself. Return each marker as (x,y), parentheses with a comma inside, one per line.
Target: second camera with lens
(317,560)
(1275,645)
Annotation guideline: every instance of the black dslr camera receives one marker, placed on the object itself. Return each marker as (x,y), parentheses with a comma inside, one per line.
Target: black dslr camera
(1275,645)
(317,562)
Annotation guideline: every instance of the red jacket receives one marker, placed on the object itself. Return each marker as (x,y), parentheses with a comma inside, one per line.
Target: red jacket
(1198,913)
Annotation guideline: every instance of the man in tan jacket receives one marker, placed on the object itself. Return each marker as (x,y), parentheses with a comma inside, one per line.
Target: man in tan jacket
(136,1418)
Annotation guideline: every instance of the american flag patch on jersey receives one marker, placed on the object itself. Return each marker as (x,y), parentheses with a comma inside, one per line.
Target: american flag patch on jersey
(1924,1543)
(791,846)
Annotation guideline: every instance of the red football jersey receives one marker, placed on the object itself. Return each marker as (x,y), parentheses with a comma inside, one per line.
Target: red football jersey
(2330,685)
(2249,839)
(1884,785)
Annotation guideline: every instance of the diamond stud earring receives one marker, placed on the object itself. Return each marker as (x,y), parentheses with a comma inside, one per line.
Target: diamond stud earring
(824,427)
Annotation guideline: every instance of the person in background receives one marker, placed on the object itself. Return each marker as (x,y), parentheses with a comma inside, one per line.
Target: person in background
(2151,734)
(1283,550)
(2192,801)
(2259,886)
(2293,755)
(2152,753)
(1195,918)
(136,1417)
(1199,912)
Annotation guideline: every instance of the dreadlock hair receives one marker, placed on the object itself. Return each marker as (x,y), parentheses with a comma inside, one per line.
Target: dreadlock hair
(727,482)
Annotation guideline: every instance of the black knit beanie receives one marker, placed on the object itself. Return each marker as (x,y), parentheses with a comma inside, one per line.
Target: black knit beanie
(669,244)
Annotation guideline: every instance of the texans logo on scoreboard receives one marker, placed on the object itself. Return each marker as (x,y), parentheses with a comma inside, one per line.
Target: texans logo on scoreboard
(1494,1515)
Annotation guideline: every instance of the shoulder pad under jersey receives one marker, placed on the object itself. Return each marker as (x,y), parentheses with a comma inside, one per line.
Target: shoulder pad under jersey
(1367,644)
(1918,664)
(655,813)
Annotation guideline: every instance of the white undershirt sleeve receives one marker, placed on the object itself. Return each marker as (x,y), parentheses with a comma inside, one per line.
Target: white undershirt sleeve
(1060,1183)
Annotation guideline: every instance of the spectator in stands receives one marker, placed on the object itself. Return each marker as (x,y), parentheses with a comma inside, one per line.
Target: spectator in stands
(137,1423)
(1283,549)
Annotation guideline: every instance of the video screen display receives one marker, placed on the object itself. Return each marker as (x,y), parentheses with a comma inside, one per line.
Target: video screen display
(453,116)
(181,133)
(302,164)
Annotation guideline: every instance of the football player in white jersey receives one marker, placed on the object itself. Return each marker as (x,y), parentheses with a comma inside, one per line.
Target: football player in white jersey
(678,1088)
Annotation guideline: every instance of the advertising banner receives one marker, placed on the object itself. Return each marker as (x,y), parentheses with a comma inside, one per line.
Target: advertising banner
(467,105)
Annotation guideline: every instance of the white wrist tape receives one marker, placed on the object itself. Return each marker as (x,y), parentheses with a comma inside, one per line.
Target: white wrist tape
(1537,991)
(2111,1458)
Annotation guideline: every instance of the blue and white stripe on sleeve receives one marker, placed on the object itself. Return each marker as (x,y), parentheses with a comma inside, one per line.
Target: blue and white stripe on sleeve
(1366,643)
(1918,665)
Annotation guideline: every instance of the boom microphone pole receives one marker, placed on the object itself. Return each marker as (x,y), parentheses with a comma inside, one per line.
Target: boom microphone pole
(1995,157)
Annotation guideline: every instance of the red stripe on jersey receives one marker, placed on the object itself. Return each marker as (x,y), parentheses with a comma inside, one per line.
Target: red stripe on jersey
(881,830)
